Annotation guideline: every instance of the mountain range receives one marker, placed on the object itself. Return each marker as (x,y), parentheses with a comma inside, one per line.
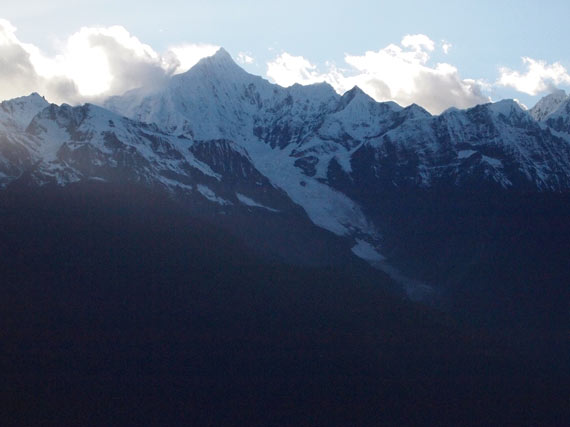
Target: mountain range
(466,211)
(219,136)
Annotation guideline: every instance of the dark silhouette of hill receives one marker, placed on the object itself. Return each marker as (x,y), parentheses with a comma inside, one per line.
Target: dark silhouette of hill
(118,307)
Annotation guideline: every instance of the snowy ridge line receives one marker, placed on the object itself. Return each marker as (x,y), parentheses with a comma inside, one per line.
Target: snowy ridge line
(317,146)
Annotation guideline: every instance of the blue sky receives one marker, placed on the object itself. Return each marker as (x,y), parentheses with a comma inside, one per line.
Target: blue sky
(307,41)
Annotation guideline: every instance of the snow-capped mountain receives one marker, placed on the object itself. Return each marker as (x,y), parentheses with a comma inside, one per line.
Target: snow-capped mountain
(559,120)
(299,137)
(17,113)
(548,105)
(89,142)
(217,136)
(16,147)
(308,128)
(65,144)
(304,140)
(202,249)
(217,99)
(495,144)
(554,111)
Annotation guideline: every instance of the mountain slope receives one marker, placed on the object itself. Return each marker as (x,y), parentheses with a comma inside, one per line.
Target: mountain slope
(15,146)
(17,113)
(548,105)
(313,126)
(119,307)
(215,180)
(559,120)
(198,262)
(376,172)
(311,143)
(241,151)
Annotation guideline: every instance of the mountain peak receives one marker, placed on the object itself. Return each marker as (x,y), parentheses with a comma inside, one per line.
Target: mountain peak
(557,93)
(350,95)
(222,53)
(506,107)
(356,91)
(414,111)
(221,57)
(20,111)
(548,104)
(322,91)
(559,118)
(32,98)
(35,95)
(221,64)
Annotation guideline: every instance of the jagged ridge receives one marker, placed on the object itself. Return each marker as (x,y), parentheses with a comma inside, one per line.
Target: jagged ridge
(307,141)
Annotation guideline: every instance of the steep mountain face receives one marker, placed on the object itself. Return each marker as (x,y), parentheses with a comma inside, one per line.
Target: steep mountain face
(216,235)
(498,145)
(15,147)
(218,100)
(89,142)
(64,144)
(355,165)
(211,179)
(548,105)
(320,147)
(17,113)
(559,120)
(231,144)
(319,130)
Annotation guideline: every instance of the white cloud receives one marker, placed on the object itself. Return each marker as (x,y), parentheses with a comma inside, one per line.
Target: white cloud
(397,72)
(287,69)
(244,58)
(93,63)
(523,106)
(18,74)
(539,76)
(97,62)
(418,42)
(103,60)
(184,57)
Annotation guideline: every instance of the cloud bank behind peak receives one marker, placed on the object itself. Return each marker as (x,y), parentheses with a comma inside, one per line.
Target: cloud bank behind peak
(97,62)
(399,73)
(92,64)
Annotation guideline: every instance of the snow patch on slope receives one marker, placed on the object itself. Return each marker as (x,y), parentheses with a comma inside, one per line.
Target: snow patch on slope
(366,251)
(252,203)
(326,207)
(465,154)
(211,196)
(496,163)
